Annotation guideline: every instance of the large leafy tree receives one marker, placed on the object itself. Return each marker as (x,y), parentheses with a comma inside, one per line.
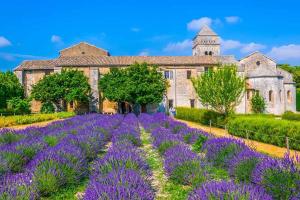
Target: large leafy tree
(220,89)
(67,86)
(138,84)
(294,70)
(10,87)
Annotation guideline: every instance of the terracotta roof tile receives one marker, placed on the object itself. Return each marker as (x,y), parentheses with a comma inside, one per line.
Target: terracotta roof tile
(35,64)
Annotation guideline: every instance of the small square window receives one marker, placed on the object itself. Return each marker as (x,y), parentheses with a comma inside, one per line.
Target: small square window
(188,74)
(168,74)
(171,103)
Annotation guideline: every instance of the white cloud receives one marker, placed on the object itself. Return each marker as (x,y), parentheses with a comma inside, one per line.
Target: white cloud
(56,39)
(14,56)
(197,24)
(232,19)
(4,42)
(251,47)
(286,52)
(134,29)
(230,44)
(243,47)
(144,53)
(179,46)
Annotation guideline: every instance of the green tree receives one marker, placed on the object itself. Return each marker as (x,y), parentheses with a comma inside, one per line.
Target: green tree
(67,86)
(220,89)
(294,70)
(18,105)
(146,85)
(9,87)
(258,103)
(138,84)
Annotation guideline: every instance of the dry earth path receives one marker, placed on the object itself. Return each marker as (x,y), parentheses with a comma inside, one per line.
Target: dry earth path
(37,124)
(269,149)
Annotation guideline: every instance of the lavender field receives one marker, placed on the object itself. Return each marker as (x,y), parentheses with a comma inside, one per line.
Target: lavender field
(114,157)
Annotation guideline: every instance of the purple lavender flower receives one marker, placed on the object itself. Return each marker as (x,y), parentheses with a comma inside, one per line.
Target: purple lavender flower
(228,190)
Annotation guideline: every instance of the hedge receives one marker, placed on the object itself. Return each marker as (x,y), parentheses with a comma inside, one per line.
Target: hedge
(28,119)
(291,116)
(267,130)
(202,116)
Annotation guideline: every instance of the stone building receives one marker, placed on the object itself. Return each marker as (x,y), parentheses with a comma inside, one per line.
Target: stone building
(261,73)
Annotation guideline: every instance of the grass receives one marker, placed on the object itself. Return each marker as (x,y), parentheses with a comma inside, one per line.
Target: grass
(166,189)
(33,118)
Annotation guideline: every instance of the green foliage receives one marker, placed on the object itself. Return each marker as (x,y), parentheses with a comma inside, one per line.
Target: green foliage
(225,154)
(164,146)
(9,87)
(258,103)
(220,89)
(189,173)
(51,140)
(266,129)
(281,184)
(18,105)
(289,115)
(294,70)
(49,176)
(9,137)
(298,99)
(131,138)
(202,116)
(197,146)
(47,107)
(244,169)
(29,119)
(11,161)
(138,84)
(67,86)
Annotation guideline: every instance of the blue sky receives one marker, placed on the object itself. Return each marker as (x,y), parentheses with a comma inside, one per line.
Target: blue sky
(39,29)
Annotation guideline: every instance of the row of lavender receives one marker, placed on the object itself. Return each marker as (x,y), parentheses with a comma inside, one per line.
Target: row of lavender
(122,173)
(252,175)
(39,161)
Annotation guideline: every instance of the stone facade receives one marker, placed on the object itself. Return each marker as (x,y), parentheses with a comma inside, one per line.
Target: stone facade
(261,73)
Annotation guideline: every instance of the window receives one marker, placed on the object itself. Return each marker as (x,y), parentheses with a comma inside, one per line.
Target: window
(271,96)
(168,74)
(258,63)
(206,53)
(188,74)
(47,73)
(210,53)
(71,104)
(289,96)
(192,102)
(206,69)
(280,95)
(171,103)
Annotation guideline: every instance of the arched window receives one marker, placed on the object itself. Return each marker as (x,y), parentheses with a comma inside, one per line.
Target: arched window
(289,96)
(271,96)
(206,53)
(210,53)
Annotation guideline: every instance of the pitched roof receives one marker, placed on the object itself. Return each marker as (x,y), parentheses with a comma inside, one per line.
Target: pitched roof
(128,60)
(206,30)
(35,64)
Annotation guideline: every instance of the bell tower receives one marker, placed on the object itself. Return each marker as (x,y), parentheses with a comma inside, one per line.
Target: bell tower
(206,42)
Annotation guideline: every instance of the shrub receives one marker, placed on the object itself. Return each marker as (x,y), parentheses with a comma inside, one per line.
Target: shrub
(197,146)
(188,173)
(280,178)
(220,151)
(18,105)
(202,116)
(267,130)
(258,104)
(11,162)
(51,140)
(228,190)
(164,146)
(9,137)
(47,107)
(289,115)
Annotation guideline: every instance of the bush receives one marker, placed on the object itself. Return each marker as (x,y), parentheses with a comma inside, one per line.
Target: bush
(267,130)
(19,106)
(298,100)
(202,116)
(258,103)
(197,146)
(164,146)
(289,115)
(47,107)
(11,162)
(29,119)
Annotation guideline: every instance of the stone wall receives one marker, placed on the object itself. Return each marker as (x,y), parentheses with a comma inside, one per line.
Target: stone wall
(83,49)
